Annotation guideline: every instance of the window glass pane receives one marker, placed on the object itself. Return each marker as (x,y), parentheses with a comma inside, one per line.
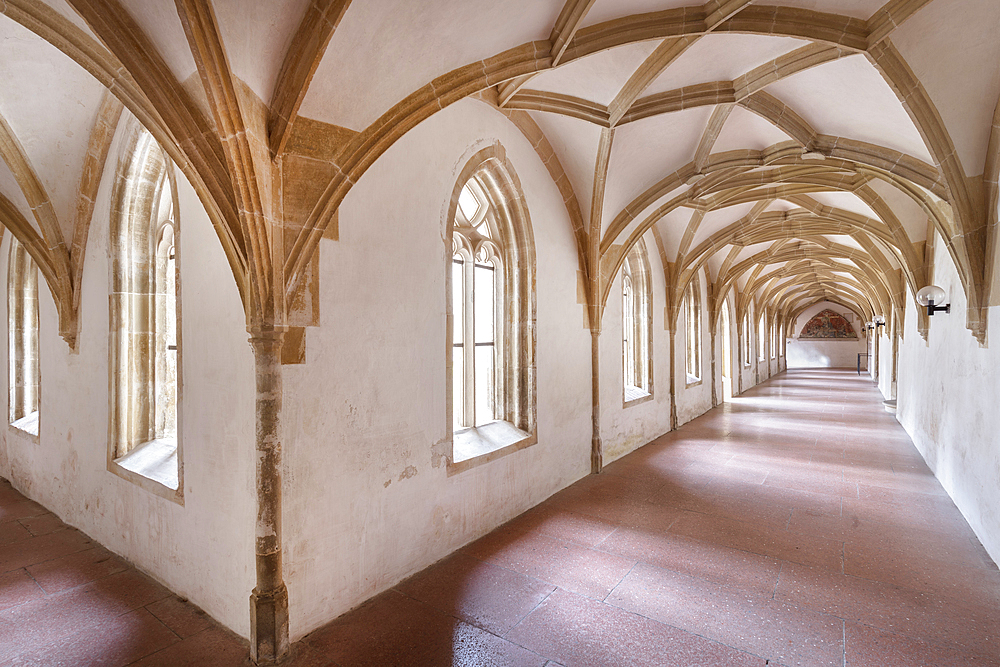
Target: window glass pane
(457,299)
(458,386)
(468,202)
(484,309)
(170,319)
(628,326)
(484,384)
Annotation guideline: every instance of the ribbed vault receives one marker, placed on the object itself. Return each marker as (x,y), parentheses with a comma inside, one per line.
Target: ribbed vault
(785,152)
(809,125)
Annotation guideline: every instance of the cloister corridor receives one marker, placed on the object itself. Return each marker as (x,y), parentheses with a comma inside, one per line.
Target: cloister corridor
(794,525)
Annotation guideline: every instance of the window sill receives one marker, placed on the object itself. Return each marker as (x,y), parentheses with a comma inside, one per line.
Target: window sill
(474,446)
(153,466)
(635,395)
(692,381)
(27,425)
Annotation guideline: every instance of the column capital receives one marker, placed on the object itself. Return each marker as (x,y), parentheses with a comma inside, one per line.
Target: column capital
(262,337)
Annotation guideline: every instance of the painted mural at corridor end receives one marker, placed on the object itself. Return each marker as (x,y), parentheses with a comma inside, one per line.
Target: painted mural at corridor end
(828,324)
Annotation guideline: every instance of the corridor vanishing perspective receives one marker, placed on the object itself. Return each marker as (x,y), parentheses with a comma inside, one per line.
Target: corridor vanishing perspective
(305,297)
(796,525)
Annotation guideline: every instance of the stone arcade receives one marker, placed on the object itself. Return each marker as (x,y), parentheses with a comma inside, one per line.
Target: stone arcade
(481,249)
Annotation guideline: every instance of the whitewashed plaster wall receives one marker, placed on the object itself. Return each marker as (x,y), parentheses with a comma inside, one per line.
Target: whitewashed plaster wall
(694,399)
(884,362)
(824,353)
(947,392)
(202,549)
(365,417)
(624,429)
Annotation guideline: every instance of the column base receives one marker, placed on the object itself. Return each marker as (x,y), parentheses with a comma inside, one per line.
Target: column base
(268,626)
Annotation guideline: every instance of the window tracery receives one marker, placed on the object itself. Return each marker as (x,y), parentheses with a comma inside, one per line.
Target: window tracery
(761,338)
(747,339)
(491,314)
(636,325)
(692,310)
(477,308)
(144,309)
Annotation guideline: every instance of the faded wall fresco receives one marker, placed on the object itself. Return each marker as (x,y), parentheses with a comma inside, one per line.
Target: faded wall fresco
(828,324)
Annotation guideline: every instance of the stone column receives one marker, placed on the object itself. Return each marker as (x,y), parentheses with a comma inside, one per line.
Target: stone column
(596,446)
(269,600)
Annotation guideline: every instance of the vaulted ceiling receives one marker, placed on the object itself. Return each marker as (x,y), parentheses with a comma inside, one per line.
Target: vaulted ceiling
(794,150)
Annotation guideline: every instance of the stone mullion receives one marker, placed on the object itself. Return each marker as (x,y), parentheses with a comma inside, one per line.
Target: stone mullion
(469,342)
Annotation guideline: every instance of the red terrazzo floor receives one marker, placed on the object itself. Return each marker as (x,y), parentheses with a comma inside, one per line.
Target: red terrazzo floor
(66,600)
(795,525)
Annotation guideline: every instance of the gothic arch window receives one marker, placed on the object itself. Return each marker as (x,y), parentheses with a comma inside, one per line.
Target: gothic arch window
(491,314)
(145,347)
(637,327)
(692,319)
(774,339)
(761,337)
(747,339)
(725,330)
(22,339)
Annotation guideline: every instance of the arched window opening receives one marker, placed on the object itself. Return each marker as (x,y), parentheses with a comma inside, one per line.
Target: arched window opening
(145,345)
(725,336)
(491,308)
(774,339)
(477,307)
(165,328)
(761,338)
(747,339)
(22,339)
(692,310)
(636,325)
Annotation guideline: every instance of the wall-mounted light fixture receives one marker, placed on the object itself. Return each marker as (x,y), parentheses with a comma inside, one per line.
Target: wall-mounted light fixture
(930,296)
(879,322)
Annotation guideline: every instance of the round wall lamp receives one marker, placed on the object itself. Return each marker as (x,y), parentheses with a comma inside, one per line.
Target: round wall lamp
(931,295)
